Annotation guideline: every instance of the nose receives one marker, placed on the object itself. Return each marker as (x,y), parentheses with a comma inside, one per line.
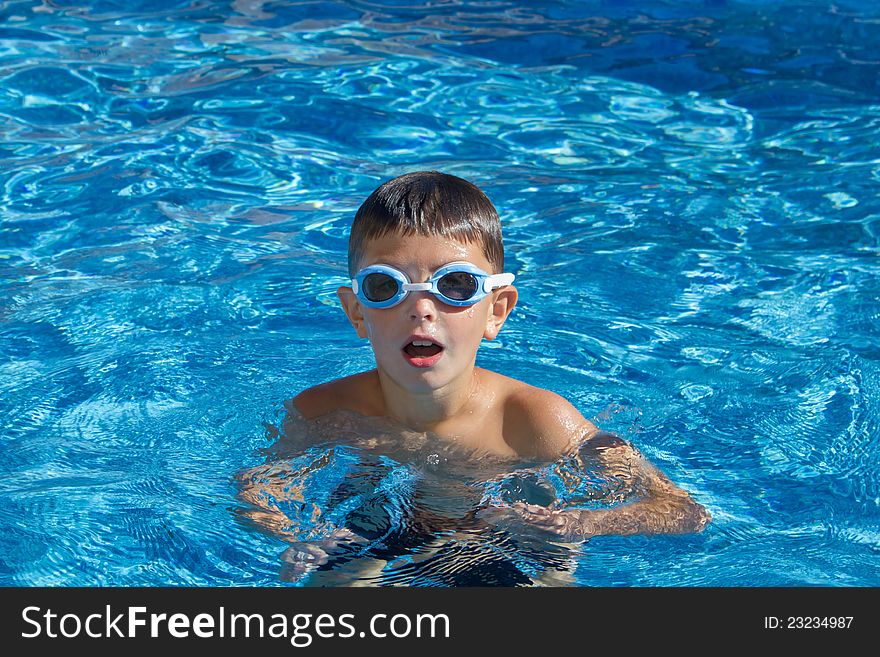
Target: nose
(423,306)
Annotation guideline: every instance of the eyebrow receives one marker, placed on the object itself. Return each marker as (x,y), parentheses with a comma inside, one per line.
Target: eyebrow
(430,270)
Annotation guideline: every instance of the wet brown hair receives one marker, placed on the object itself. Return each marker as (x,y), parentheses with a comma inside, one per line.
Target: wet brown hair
(428,203)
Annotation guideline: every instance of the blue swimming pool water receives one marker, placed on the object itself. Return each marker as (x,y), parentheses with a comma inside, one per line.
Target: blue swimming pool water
(689,198)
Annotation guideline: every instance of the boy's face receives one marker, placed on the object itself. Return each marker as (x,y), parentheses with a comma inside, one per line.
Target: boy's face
(422,316)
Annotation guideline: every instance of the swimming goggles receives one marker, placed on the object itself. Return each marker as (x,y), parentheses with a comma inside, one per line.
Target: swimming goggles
(457,284)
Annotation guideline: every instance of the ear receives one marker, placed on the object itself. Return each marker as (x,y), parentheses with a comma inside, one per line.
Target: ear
(353,309)
(503,301)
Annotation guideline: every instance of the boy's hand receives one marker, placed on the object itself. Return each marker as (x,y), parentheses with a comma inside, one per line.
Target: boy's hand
(643,517)
(303,557)
(562,523)
(520,516)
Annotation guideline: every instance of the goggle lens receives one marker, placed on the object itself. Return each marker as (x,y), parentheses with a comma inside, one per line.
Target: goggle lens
(379,287)
(457,285)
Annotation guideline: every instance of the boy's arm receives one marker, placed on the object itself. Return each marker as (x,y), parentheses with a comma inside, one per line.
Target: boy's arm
(262,489)
(662,507)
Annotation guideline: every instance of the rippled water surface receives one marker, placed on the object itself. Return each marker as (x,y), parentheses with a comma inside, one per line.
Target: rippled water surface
(689,195)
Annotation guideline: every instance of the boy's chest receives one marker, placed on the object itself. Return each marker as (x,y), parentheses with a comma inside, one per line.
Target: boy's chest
(480,430)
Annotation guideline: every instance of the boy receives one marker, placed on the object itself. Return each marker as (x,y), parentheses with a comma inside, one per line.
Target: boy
(426,263)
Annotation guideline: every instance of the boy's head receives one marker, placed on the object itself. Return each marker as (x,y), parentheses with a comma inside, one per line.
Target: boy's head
(439,236)
(428,203)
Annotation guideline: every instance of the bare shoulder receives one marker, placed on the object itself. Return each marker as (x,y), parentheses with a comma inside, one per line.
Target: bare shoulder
(350,393)
(538,422)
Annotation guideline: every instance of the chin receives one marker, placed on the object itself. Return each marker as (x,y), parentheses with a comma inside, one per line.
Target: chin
(420,382)
(427,381)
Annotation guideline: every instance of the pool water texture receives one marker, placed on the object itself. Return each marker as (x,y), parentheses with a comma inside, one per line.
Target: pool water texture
(689,200)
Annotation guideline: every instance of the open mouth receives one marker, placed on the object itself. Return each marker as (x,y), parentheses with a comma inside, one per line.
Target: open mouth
(422,349)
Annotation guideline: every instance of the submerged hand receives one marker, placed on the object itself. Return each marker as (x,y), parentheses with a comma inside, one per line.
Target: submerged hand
(303,557)
(519,517)
(669,515)
(569,524)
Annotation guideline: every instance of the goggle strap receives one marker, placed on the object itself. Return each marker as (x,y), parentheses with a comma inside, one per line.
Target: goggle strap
(498,280)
